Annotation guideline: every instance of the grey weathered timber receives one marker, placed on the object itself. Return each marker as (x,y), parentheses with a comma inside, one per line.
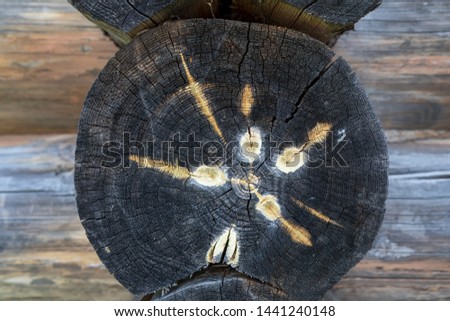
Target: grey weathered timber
(155,218)
(400,53)
(322,19)
(45,254)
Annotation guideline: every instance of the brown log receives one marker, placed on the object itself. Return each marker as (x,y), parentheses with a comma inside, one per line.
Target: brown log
(49,57)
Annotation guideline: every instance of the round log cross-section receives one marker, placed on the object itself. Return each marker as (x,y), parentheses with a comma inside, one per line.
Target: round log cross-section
(324,20)
(214,142)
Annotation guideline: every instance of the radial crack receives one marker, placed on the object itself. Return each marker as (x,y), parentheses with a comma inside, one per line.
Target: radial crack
(293,158)
(307,88)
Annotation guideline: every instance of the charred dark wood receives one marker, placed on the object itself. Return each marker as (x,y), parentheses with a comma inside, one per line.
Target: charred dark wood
(157,216)
(323,20)
(123,20)
(220,283)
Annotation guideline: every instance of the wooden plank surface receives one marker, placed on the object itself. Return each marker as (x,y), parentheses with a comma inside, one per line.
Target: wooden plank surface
(401,53)
(44,254)
(50,55)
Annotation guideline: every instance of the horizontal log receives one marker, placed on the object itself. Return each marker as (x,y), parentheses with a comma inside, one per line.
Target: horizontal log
(400,54)
(45,255)
(50,54)
(49,57)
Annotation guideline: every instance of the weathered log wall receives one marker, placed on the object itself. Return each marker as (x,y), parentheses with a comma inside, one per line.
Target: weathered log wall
(49,57)
(400,52)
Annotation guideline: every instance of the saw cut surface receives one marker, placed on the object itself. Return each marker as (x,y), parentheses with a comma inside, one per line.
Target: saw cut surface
(221,142)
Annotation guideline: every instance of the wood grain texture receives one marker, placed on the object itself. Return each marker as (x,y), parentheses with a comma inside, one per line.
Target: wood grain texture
(123,20)
(50,55)
(153,228)
(44,253)
(323,20)
(401,54)
(224,284)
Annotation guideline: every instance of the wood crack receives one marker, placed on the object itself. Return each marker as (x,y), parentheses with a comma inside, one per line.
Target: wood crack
(142,13)
(307,89)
